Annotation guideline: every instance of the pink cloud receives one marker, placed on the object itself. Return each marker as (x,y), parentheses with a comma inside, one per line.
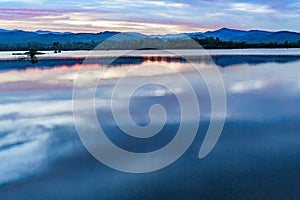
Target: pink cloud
(26,13)
(166,22)
(38,10)
(23,14)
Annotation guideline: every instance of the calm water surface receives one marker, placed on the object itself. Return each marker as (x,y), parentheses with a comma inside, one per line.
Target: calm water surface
(257,156)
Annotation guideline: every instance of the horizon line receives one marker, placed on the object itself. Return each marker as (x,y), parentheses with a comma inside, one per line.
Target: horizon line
(207,30)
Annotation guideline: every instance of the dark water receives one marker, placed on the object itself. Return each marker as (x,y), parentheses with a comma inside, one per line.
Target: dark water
(256,157)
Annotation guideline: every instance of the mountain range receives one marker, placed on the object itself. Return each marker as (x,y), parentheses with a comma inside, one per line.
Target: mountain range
(224,34)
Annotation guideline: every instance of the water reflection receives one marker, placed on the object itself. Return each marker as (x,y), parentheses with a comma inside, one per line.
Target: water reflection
(219,60)
(259,149)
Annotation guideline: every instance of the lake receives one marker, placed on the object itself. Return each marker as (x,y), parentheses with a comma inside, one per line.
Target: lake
(256,156)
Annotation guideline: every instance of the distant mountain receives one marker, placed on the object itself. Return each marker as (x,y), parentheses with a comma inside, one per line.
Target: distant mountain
(169,36)
(128,36)
(17,36)
(3,30)
(282,36)
(41,32)
(21,37)
(224,34)
(254,36)
(197,35)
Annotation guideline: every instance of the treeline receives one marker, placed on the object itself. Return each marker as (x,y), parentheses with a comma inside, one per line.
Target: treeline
(146,43)
(49,47)
(216,43)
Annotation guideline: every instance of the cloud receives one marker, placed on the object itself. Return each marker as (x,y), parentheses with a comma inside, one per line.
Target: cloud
(166,4)
(246,86)
(252,8)
(23,1)
(154,16)
(25,13)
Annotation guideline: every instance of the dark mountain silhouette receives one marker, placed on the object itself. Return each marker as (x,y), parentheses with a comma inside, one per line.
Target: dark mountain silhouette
(8,37)
(254,36)
(225,34)
(45,37)
(18,36)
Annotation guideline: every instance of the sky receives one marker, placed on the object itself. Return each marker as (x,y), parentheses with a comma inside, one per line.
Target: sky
(149,16)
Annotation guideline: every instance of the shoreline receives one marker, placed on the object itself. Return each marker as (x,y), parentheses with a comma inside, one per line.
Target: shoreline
(83,54)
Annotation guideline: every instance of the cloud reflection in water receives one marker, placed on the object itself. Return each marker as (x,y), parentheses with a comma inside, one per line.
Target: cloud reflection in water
(36,121)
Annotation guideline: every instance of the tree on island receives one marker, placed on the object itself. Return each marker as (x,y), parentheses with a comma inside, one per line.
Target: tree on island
(32,54)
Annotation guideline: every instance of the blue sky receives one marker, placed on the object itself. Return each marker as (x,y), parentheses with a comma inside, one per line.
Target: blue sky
(149,16)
